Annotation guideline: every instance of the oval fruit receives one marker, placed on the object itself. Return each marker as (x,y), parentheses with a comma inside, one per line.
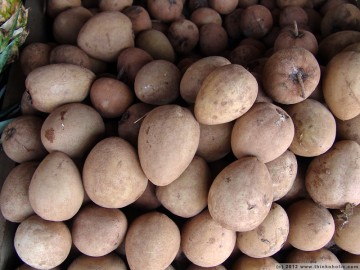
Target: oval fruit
(112,174)
(42,244)
(152,242)
(53,85)
(241,195)
(168,139)
(56,192)
(214,106)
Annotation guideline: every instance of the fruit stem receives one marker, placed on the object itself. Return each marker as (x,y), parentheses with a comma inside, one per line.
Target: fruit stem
(300,80)
(296,29)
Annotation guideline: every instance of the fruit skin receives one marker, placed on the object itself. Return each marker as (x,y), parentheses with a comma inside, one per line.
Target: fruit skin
(13,20)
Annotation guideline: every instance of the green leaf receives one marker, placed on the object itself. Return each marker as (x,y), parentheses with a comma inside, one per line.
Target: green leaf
(2,91)
(5,55)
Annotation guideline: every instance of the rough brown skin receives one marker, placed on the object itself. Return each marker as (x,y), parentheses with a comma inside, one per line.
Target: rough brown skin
(339,169)
(129,62)
(42,244)
(223,7)
(73,129)
(346,233)
(256,21)
(268,237)
(56,6)
(215,141)
(113,165)
(353,47)
(56,192)
(53,85)
(311,225)
(243,54)
(205,242)
(157,83)
(148,199)
(315,128)
(165,10)
(350,129)
(214,106)
(130,122)
(153,232)
(168,139)
(241,195)
(335,43)
(341,17)
(139,17)
(297,190)
(267,124)
(342,73)
(232,24)
(205,15)
(97,231)
(321,256)
(296,38)
(33,56)
(14,197)
(291,75)
(110,262)
(110,97)
(246,262)
(105,35)
(213,39)
(156,44)
(114,5)
(21,139)
(194,76)
(71,55)
(283,171)
(284,3)
(187,195)
(74,19)
(183,35)
(292,13)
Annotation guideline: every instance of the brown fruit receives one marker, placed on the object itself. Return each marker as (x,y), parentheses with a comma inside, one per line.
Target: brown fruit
(269,126)
(21,139)
(241,195)
(110,97)
(97,231)
(157,82)
(42,244)
(173,9)
(139,17)
(74,19)
(105,35)
(73,128)
(256,21)
(183,35)
(129,62)
(213,39)
(152,242)
(14,197)
(291,75)
(205,242)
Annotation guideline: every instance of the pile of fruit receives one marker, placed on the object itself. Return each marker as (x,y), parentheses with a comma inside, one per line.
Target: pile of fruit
(197,134)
